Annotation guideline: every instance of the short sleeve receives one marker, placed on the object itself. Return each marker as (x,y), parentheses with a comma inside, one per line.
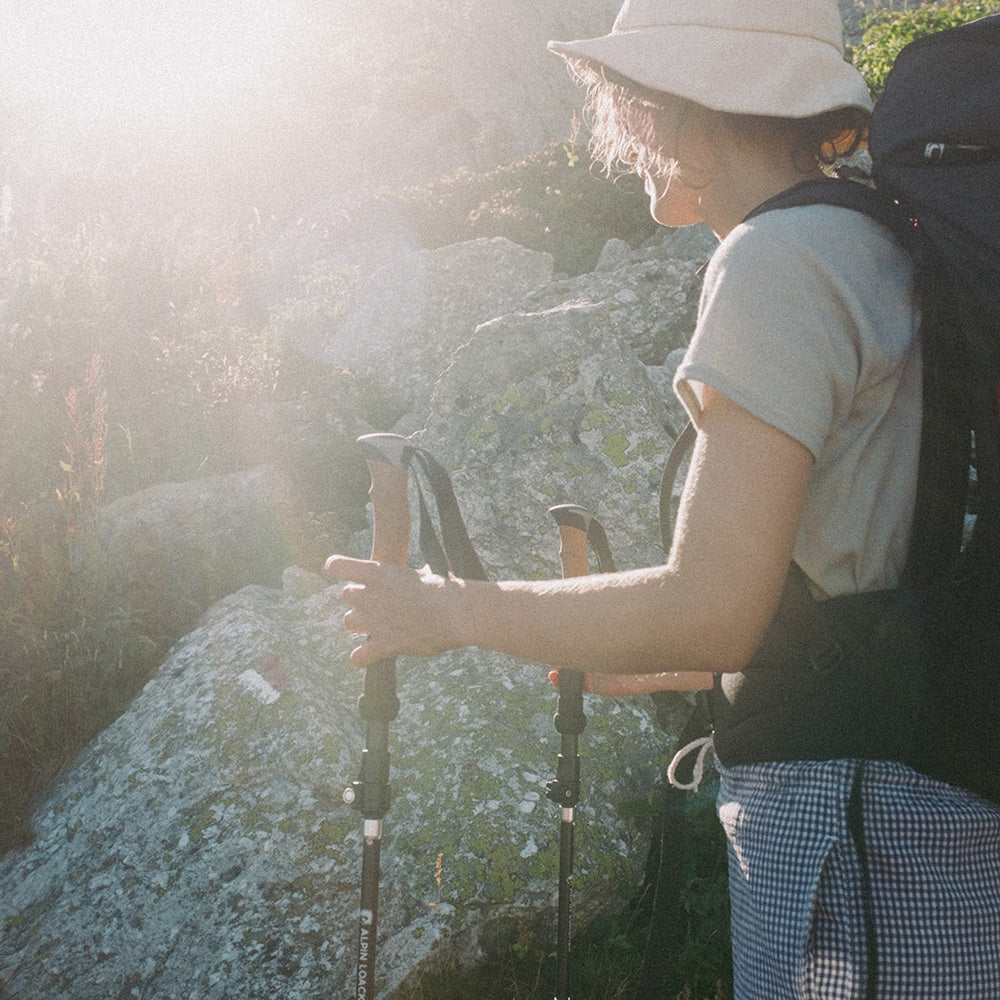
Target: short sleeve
(775,333)
(808,320)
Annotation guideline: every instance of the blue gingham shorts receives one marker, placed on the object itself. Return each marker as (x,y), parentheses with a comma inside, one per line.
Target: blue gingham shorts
(798,910)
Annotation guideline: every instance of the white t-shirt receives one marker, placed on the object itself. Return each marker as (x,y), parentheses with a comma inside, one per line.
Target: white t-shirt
(808,320)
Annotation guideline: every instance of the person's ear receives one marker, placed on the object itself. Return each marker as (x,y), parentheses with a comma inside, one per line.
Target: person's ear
(697,155)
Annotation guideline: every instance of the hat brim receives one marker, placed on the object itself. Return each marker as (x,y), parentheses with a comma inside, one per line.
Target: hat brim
(785,76)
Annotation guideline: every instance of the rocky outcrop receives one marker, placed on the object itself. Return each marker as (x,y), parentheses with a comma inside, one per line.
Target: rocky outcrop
(406,319)
(200,846)
(403,323)
(546,408)
(174,549)
(492,359)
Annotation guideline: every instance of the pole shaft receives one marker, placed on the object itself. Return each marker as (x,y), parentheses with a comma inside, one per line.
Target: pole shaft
(566,829)
(368,924)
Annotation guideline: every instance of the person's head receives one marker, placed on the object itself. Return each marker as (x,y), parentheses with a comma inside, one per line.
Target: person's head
(679,82)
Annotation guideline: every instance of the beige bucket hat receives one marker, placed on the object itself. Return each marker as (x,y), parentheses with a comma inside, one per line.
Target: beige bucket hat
(783,58)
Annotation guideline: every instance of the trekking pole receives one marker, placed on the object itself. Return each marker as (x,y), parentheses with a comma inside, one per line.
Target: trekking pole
(576,527)
(387,456)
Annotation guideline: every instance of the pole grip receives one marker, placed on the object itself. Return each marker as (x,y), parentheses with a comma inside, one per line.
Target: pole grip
(573,555)
(574,524)
(390,513)
(387,456)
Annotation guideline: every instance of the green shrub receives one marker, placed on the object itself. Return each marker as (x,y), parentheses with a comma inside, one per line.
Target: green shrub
(129,355)
(183,349)
(887,32)
(552,201)
(58,690)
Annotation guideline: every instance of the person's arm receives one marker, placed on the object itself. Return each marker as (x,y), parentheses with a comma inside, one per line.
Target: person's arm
(705,611)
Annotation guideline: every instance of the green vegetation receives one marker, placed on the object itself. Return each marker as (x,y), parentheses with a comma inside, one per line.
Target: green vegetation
(887,31)
(607,954)
(553,201)
(132,352)
(126,361)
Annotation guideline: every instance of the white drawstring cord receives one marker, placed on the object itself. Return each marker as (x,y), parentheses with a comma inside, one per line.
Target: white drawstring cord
(704,746)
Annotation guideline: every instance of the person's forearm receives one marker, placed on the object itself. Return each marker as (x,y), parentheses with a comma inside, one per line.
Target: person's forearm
(637,622)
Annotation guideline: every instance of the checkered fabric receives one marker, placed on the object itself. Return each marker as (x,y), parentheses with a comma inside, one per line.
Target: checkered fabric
(798,912)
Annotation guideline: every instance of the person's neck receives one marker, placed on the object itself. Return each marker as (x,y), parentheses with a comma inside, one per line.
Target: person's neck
(725,207)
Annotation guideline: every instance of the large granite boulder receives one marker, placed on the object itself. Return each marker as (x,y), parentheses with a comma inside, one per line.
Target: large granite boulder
(398,327)
(546,408)
(651,293)
(200,846)
(174,549)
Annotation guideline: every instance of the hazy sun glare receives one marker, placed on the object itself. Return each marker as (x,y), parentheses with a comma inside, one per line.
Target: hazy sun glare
(139,58)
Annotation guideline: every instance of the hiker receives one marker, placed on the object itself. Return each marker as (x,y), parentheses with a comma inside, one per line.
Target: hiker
(849,877)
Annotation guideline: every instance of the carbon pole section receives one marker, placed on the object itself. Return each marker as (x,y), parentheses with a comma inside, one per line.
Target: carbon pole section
(574,527)
(387,456)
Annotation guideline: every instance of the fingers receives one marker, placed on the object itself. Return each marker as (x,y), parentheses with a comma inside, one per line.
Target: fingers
(603,684)
(345,568)
(608,685)
(365,655)
(362,576)
(614,685)
(624,685)
(399,610)
(360,573)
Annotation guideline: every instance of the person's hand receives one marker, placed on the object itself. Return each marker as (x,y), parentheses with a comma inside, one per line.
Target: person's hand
(623,685)
(401,611)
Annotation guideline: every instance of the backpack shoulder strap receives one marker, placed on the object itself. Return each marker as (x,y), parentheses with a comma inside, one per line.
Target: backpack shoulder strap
(679,451)
(841,193)
(945,436)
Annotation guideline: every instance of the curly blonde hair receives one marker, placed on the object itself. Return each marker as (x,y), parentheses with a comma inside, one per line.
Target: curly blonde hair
(633,128)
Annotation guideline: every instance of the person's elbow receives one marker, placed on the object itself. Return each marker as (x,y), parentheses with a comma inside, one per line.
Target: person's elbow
(722,635)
